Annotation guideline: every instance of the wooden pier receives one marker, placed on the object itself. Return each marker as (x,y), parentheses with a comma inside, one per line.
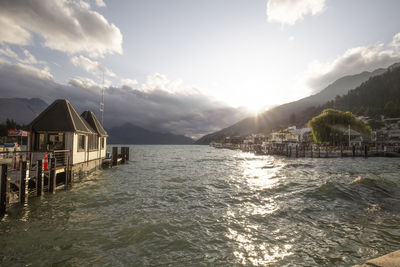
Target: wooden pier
(45,175)
(318,151)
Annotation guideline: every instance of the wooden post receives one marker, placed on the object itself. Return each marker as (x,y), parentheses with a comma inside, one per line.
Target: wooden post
(22,183)
(287,150)
(127,153)
(366,151)
(297,151)
(39,178)
(326,151)
(354,151)
(341,151)
(319,151)
(311,150)
(114,156)
(290,152)
(52,176)
(123,154)
(67,174)
(3,189)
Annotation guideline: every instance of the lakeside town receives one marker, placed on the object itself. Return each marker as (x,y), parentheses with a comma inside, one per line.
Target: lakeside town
(383,140)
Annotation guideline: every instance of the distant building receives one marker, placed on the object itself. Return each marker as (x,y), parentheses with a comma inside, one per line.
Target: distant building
(302,133)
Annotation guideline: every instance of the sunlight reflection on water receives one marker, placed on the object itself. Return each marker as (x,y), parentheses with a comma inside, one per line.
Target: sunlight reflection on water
(195,205)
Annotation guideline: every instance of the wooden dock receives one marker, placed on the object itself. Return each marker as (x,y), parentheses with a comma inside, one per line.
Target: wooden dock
(30,180)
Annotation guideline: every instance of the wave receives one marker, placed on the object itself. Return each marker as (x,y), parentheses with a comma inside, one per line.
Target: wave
(299,165)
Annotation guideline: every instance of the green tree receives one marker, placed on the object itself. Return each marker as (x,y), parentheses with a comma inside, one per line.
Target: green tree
(332,126)
(375,124)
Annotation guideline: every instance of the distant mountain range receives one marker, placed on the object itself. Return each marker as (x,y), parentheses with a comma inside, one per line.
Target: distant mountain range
(21,110)
(294,113)
(132,134)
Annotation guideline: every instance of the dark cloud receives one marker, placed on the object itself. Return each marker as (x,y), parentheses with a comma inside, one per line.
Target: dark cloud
(189,113)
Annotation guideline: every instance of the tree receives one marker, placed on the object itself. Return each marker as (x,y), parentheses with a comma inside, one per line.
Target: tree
(332,126)
(375,124)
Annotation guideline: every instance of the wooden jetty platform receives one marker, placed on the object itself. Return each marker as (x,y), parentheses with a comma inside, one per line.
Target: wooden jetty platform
(34,178)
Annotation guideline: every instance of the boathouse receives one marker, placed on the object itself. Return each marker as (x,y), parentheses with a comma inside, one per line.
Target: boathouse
(60,131)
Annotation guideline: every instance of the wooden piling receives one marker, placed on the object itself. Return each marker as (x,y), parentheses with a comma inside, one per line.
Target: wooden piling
(67,173)
(3,189)
(114,156)
(123,154)
(290,152)
(354,151)
(311,151)
(365,151)
(127,153)
(341,151)
(39,178)
(22,183)
(297,152)
(319,151)
(52,176)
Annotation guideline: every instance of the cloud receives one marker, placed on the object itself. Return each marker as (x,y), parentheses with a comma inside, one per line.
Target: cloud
(159,82)
(27,71)
(12,33)
(353,61)
(182,112)
(7,51)
(396,41)
(91,66)
(100,3)
(291,11)
(83,82)
(67,26)
(128,82)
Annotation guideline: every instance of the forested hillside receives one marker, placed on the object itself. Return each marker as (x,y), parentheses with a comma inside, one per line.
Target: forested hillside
(379,95)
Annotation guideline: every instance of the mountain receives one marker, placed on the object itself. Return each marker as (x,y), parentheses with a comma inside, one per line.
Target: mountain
(21,110)
(380,95)
(132,134)
(292,113)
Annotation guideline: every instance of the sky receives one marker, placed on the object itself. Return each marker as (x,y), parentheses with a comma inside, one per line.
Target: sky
(185,66)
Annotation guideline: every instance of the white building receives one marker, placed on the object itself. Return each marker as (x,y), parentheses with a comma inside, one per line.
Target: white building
(59,129)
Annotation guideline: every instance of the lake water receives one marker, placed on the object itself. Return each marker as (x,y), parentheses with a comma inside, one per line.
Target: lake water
(196,205)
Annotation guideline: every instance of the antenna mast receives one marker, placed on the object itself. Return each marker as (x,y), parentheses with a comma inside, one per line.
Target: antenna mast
(102,102)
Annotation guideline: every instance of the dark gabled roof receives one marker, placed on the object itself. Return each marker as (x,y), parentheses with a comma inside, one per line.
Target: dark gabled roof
(60,116)
(91,119)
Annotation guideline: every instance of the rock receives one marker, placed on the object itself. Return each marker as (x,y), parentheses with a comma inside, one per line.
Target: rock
(388,260)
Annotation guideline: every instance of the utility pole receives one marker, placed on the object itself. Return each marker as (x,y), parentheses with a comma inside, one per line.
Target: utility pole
(102,102)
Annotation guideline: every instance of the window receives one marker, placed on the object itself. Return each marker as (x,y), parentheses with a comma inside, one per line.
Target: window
(81,142)
(41,143)
(103,139)
(56,140)
(49,141)
(93,142)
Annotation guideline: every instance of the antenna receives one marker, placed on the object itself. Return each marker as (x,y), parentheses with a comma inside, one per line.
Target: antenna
(102,102)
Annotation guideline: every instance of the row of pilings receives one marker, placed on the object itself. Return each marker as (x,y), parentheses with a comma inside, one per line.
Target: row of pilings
(46,175)
(314,151)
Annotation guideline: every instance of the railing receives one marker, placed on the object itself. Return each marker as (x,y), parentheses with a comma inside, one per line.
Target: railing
(62,157)
(14,159)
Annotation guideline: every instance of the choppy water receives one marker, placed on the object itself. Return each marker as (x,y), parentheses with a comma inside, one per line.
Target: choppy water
(195,205)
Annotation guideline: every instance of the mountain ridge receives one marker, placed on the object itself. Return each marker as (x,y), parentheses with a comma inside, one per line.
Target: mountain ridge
(129,133)
(285,114)
(21,110)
